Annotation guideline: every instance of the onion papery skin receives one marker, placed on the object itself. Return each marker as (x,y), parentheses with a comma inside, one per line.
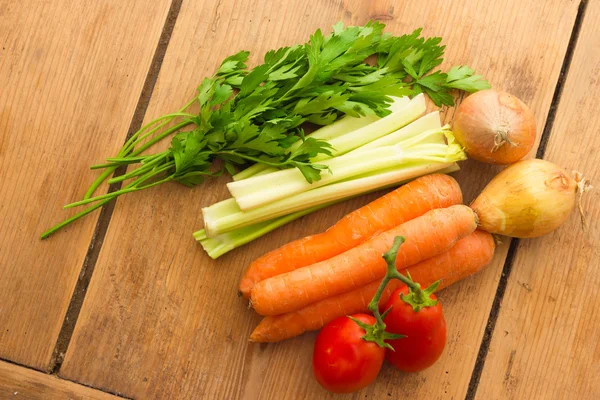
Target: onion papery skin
(527,199)
(487,116)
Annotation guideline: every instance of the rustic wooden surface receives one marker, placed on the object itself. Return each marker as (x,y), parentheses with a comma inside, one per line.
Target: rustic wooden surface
(71,75)
(21,383)
(160,295)
(545,344)
(162,320)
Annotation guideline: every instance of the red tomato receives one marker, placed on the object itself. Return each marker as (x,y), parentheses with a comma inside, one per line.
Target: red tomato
(425,332)
(342,361)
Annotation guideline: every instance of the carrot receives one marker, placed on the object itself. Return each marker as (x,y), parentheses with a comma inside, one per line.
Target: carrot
(426,236)
(468,256)
(403,204)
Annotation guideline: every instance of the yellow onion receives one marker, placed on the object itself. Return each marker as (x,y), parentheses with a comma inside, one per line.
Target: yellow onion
(494,127)
(527,199)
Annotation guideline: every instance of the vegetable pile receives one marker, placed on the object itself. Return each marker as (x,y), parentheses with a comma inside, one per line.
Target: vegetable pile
(375,133)
(333,280)
(325,281)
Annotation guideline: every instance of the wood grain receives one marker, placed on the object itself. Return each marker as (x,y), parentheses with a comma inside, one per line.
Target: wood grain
(162,320)
(545,345)
(23,383)
(71,75)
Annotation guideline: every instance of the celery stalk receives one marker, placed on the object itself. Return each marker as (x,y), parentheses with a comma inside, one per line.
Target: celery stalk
(425,123)
(341,127)
(427,149)
(264,189)
(352,140)
(338,128)
(420,159)
(419,148)
(225,242)
(345,143)
(216,225)
(224,207)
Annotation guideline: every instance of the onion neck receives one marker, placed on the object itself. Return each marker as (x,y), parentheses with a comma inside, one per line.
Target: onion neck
(501,138)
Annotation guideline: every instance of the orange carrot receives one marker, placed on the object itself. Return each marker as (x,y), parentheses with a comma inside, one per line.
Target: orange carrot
(403,204)
(426,236)
(468,256)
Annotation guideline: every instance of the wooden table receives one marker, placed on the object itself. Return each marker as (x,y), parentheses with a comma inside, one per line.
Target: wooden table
(124,302)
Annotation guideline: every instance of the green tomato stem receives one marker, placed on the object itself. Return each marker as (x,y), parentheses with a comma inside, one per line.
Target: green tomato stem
(392,273)
(417,298)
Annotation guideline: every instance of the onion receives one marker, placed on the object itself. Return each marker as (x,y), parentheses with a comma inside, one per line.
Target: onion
(494,127)
(528,199)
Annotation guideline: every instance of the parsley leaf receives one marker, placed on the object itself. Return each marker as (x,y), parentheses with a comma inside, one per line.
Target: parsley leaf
(246,136)
(464,78)
(300,158)
(253,79)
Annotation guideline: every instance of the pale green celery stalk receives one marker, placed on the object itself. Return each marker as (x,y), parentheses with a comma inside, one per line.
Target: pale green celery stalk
(431,136)
(264,189)
(225,242)
(325,194)
(341,127)
(224,207)
(359,137)
(201,235)
(427,122)
(338,128)
(216,225)
(430,121)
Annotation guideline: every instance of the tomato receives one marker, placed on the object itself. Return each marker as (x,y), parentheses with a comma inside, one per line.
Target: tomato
(342,361)
(425,332)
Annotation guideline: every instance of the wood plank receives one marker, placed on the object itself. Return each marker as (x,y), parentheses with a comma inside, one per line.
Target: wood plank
(23,383)
(163,320)
(71,74)
(545,344)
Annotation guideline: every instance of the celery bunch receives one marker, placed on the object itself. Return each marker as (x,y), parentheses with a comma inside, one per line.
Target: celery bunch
(389,151)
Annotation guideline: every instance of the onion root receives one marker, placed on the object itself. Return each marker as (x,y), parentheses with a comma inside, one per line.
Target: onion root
(583,185)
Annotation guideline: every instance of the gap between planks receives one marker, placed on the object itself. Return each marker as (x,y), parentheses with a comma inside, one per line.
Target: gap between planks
(89,263)
(508,263)
(7,361)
